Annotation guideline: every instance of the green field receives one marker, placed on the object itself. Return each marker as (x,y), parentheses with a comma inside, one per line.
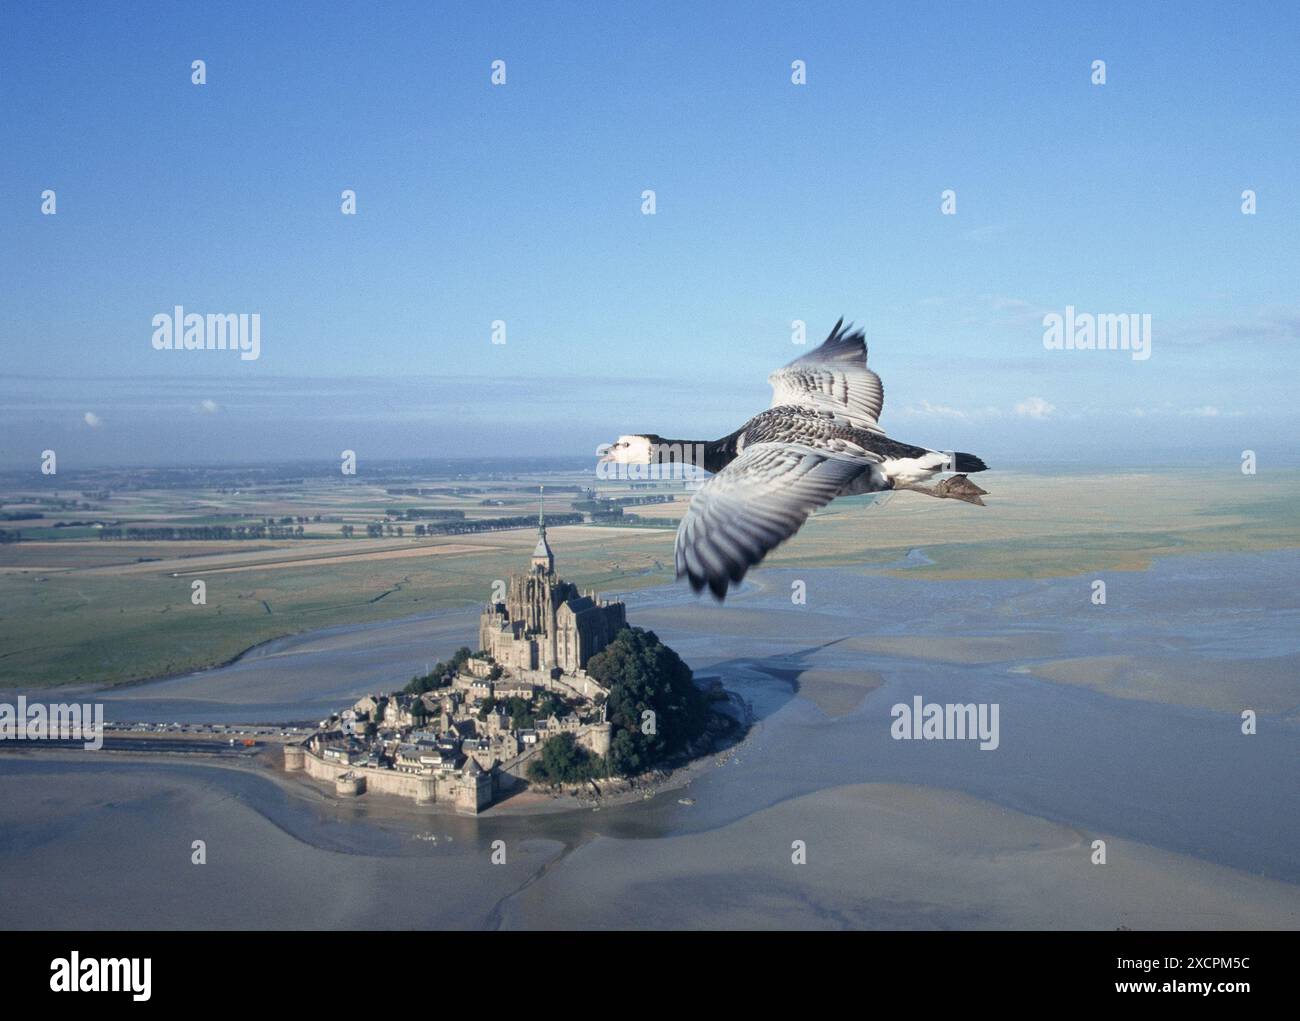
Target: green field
(79,610)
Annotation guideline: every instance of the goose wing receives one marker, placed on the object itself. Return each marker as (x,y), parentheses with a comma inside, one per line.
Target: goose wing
(753,505)
(834,378)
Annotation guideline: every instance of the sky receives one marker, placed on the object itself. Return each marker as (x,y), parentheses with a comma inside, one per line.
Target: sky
(523,203)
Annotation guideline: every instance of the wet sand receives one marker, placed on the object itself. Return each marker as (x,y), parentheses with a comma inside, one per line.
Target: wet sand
(877,856)
(884,856)
(1267,684)
(112,848)
(834,692)
(1118,722)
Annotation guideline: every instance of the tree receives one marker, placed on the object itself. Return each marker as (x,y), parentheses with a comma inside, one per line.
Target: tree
(625,755)
(550,705)
(563,760)
(521,713)
(429,682)
(644,674)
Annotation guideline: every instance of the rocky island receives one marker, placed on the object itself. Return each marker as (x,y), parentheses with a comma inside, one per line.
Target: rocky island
(562,694)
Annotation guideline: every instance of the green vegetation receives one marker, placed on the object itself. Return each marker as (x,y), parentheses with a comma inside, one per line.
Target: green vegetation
(653,703)
(654,706)
(550,704)
(497,524)
(563,760)
(77,609)
(440,675)
(525,714)
(520,712)
(204,533)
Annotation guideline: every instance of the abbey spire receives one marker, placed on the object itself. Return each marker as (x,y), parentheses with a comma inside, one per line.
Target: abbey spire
(542,556)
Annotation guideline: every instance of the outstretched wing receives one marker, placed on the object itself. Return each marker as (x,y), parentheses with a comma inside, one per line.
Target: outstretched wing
(753,505)
(834,378)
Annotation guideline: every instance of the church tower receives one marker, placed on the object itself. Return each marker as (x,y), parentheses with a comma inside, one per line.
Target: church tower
(543,558)
(545,623)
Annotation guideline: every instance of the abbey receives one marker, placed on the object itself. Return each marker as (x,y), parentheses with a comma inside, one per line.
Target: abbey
(545,623)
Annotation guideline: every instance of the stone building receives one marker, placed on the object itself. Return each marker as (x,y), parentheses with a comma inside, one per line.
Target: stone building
(545,623)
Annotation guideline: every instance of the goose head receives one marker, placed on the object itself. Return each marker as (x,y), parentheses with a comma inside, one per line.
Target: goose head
(633,449)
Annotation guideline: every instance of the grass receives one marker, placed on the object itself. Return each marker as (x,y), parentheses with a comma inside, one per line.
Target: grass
(109,612)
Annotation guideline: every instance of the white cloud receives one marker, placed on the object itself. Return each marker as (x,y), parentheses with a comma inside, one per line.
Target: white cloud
(1167,408)
(1034,407)
(937,411)
(92,420)
(928,410)
(209,406)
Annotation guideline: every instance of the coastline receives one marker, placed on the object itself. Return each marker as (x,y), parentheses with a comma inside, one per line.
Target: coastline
(266,760)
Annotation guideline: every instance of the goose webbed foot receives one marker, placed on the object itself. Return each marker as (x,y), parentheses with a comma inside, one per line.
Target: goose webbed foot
(958,487)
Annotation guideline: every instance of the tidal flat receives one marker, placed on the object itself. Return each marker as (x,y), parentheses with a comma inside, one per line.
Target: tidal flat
(1201,822)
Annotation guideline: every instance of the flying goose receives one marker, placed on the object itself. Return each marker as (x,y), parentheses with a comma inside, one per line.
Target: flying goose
(820,439)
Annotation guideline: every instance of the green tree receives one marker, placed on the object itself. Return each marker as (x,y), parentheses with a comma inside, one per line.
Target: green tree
(644,674)
(429,682)
(549,705)
(563,760)
(626,755)
(521,713)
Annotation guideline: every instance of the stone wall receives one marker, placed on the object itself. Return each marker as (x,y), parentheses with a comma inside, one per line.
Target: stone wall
(579,685)
(422,789)
(466,794)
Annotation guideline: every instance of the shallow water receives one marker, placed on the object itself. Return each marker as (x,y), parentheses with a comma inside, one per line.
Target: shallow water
(1177,778)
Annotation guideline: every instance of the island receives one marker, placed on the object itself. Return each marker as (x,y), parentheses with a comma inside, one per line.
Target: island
(562,694)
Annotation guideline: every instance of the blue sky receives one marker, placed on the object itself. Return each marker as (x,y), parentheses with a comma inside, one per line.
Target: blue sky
(522,203)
